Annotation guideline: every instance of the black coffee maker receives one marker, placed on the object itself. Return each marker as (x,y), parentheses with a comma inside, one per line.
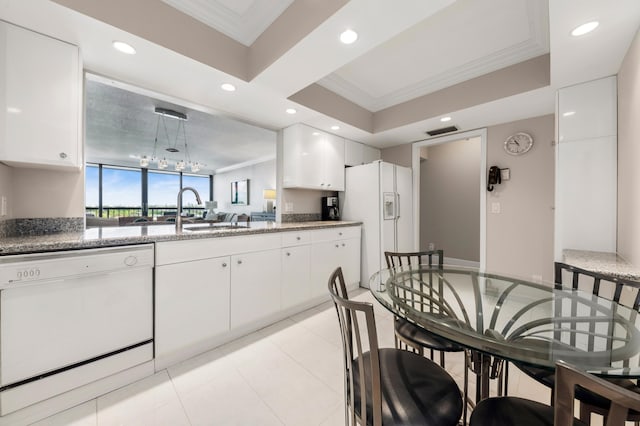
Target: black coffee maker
(330,208)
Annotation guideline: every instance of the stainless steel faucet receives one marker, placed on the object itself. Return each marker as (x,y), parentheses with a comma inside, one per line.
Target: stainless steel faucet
(179,213)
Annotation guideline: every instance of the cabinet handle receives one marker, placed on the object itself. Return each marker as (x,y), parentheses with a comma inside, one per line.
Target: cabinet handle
(337,245)
(298,238)
(328,184)
(224,264)
(340,234)
(342,244)
(288,254)
(63,155)
(239,262)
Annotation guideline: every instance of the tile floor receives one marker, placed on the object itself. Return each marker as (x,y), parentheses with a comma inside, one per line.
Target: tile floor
(289,373)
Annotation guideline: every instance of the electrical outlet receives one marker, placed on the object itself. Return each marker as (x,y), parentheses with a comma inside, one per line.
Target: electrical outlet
(432,246)
(3,206)
(495,207)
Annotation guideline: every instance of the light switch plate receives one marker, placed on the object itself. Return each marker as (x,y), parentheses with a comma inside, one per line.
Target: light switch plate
(495,207)
(505,174)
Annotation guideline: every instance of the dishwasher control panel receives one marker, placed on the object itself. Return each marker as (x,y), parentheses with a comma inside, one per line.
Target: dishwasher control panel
(28,268)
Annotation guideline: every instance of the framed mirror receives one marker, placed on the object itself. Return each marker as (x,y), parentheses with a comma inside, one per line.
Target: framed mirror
(240,192)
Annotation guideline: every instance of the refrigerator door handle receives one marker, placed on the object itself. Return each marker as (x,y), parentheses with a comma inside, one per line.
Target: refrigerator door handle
(397,206)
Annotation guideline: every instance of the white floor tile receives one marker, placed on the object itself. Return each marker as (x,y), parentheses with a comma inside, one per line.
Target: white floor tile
(142,403)
(290,373)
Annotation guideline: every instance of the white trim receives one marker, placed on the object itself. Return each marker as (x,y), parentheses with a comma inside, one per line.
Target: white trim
(415,157)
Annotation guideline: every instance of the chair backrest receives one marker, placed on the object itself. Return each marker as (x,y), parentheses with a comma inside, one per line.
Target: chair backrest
(423,283)
(568,377)
(395,259)
(358,331)
(620,290)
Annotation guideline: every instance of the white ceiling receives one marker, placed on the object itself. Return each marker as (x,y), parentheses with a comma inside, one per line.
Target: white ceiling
(405,50)
(463,41)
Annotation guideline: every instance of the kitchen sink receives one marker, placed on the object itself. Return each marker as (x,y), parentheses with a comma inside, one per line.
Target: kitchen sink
(213,227)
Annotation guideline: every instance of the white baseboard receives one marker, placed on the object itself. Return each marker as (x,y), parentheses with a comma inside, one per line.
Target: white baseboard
(461,262)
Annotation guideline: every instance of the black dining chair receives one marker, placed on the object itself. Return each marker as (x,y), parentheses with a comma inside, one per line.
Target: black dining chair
(510,410)
(416,337)
(388,386)
(623,291)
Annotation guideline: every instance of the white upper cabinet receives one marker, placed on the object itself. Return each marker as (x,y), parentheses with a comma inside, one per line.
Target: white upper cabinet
(312,159)
(40,96)
(588,110)
(586,167)
(356,153)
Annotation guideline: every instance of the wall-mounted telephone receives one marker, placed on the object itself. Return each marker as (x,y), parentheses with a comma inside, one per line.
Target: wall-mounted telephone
(494,177)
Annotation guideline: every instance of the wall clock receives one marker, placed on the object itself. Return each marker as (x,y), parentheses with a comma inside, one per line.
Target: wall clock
(518,144)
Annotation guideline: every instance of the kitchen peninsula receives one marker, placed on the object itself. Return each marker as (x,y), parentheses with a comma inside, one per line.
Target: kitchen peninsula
(131,301)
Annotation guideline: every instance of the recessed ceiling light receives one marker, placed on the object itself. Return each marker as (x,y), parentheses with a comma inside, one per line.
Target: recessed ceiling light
(228,87)
(568,113)
(291,111)
(348,36)
(585,28)
(445,119)
(123,47)
(335,127)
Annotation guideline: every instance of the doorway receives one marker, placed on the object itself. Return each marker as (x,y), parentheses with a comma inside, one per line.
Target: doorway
(449,196)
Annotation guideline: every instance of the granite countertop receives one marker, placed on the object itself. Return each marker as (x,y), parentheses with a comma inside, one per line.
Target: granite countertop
(118,236)
(601,262)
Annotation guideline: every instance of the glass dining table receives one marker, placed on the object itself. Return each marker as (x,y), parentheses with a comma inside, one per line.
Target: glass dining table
(508,318)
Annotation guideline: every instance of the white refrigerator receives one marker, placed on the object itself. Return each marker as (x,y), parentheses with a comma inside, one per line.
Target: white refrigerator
(379,195)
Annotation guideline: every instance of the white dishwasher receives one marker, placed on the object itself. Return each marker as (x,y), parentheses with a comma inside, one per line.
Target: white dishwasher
(70,318)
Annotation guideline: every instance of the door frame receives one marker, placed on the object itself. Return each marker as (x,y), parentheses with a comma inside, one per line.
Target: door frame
(415,162)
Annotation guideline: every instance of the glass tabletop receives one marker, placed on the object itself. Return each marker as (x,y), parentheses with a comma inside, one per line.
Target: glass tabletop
(515,319)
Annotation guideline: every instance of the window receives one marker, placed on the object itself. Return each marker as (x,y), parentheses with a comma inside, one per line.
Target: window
(121,192)
(92,187)
(162,190)
(200,183)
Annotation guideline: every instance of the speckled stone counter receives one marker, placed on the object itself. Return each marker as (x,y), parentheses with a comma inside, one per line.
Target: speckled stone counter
(601,262)
(118,236)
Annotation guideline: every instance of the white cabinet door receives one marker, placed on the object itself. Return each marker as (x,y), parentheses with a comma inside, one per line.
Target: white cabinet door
(353,153)
(255,286)
(325,261)
(191,308)
(312,159)
(356,153)
(296,267)
(333,163)
(350,256)
(41,100)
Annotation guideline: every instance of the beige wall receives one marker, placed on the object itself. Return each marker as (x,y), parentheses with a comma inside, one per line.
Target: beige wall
(450,199)
(629,155)
(400,155)
(6,189)
(45,193)
(520,237)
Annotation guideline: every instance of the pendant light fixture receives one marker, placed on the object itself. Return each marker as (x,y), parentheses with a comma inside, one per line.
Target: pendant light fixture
(181,133)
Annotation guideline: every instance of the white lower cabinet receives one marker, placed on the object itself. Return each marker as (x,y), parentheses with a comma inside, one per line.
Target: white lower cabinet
(255,286)
(211,290)
(331,249)
(296,264)
(192,307)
